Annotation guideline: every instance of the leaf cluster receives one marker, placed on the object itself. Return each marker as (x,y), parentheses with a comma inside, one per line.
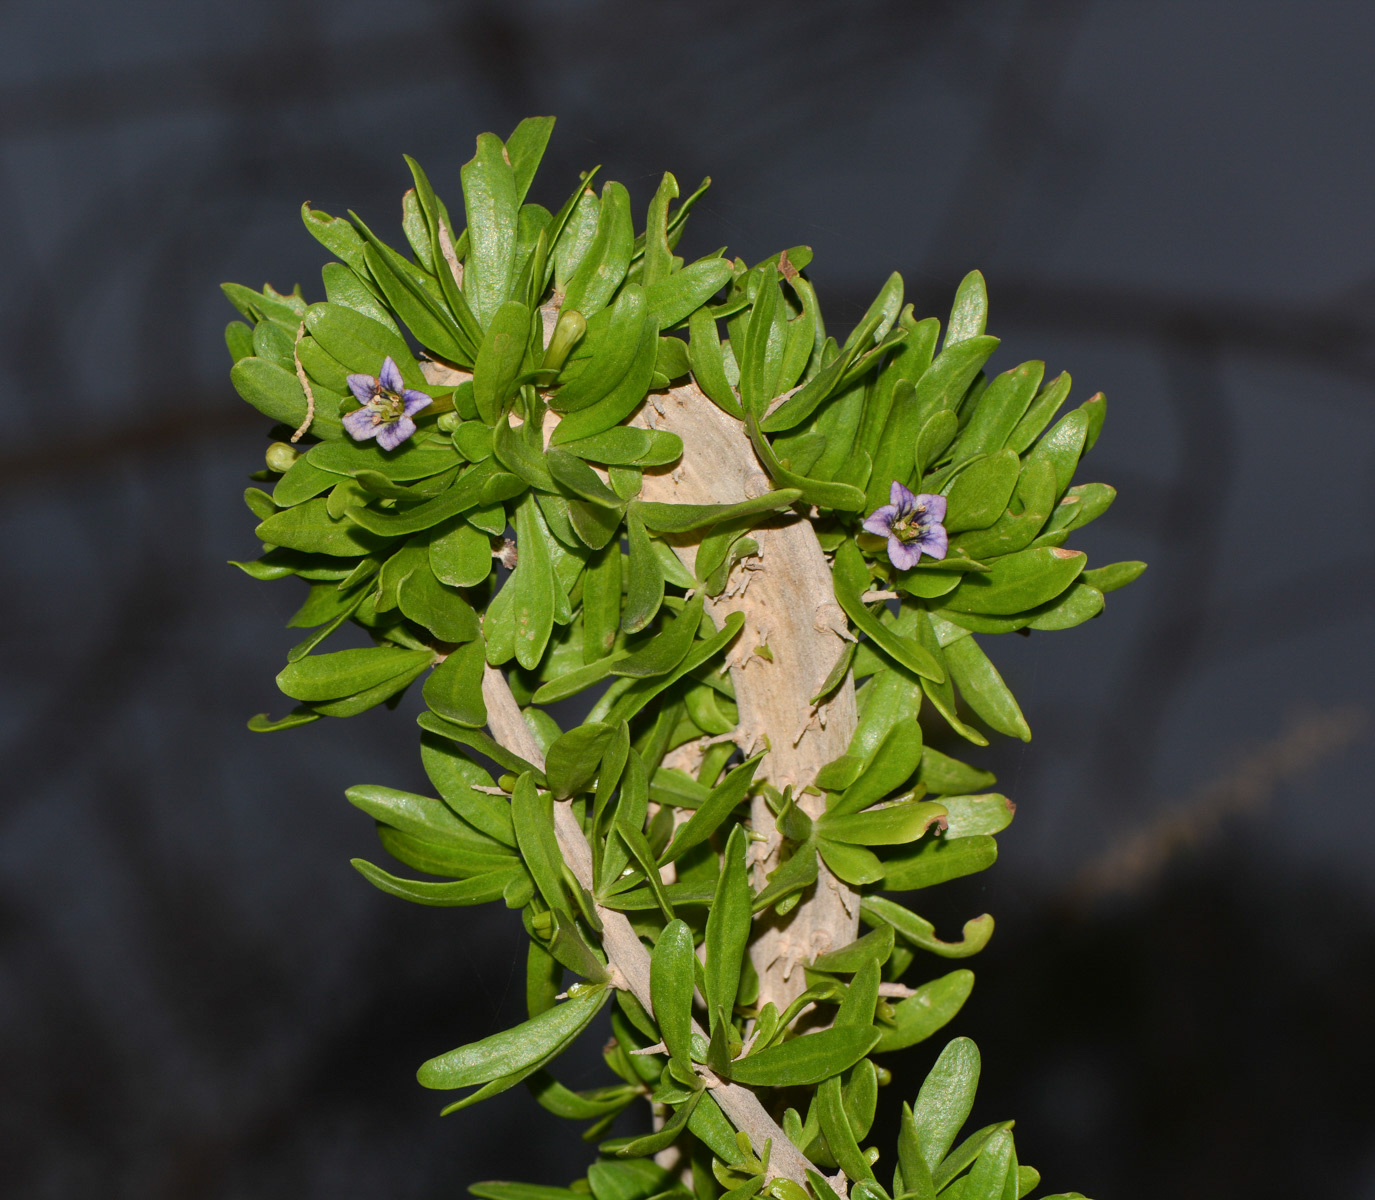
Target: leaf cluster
(510,533)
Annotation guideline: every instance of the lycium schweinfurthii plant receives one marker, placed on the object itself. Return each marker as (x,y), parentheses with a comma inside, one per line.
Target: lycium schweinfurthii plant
(763,561)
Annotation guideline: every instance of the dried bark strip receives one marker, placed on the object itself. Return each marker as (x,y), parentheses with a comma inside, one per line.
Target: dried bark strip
(789,605)
(625,953)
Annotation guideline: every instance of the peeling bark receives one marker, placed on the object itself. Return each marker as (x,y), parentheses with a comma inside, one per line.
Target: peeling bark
(625,953)
(789,605)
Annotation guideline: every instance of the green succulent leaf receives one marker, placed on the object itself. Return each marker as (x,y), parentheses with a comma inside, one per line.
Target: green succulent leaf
(806,1060)
(920,1015)
(347,672)
(945,1100)
(938,860)
(728,927)
(671,988)
(526,1046)
(919,932)
(461,893)
(718,804)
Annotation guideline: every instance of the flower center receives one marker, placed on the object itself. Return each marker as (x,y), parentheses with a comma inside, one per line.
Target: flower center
(910,526)
(386,406)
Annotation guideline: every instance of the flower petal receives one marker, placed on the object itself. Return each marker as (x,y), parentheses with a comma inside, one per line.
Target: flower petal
(392,434)
(360,425)
(935,506)
(901,498)
(415,401)
(935,542)
(903,555)
(363,387)
(390,376)
(880,521)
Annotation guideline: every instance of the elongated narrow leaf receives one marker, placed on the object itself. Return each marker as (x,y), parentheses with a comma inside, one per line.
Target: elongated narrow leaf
(945,1099)
(682,518)
(805,1061)
(999,409)
(479,741)
(533,814)
(797,873)
(617,404)
(944,383)
(568,948)
(456,861)
(673,298)
(851,580)
(919,932)
(969,313)
(718,805)
(636,697)
(835,1124)
(627,446)
(603,266)
(580,479)
(668,648)
(505,1053)
(1113,576)
(1017,582)
(983,688)
(821,492)
(873,948)
(938,860)
(552,1096)
(988,1180)
(492,204)
(601,603)
(966,1152)
(1062,446)
(652,1143)
(671,986)
(571,762)
(890,766)
(480,889)
(646,582)
(499,359)
(891,825)
(533,584)
(728,927)
(525,148)
(708,363)
(635,841)
(455,776)
(912,1168)
(709,1124)
(608,349)
(419,816)
(500,1190)
(920,1015)
(347,672)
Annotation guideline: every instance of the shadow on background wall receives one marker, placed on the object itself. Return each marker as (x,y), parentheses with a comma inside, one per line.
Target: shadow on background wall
(198,997)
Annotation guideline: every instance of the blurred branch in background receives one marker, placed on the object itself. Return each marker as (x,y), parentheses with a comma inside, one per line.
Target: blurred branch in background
(1133,863)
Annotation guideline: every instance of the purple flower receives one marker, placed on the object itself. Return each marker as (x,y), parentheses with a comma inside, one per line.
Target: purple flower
(912,524)
(388,405)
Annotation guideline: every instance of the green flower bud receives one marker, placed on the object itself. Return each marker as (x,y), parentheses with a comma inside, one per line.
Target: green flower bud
(280,456)
(567,333)
(449,421)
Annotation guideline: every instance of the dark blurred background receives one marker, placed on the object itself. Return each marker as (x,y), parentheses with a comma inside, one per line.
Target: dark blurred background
(198,996)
